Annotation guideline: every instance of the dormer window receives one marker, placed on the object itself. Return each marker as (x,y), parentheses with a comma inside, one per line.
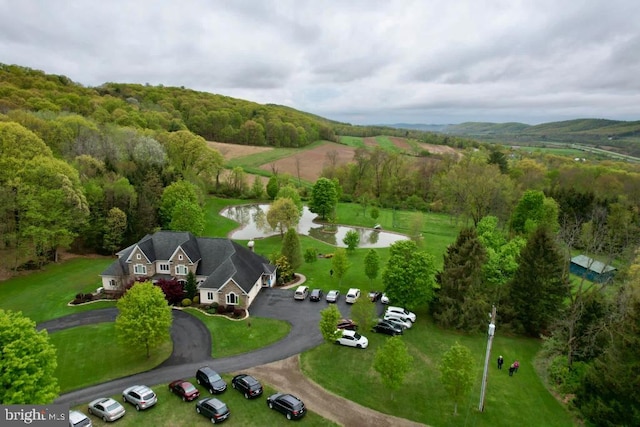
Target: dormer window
(138,256)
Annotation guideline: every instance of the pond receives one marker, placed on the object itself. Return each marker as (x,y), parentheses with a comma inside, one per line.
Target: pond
(253,225)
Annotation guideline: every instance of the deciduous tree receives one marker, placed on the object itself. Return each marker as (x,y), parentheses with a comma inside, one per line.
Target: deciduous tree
(283,215)
(114,229)
(27,362)
(456,373)
(328,324)
(340,263)
(364,313)
(290,192)
(352,240)
(392,361)
(409,275)
(324,198)
(372,264)
(144,318)
(187,216)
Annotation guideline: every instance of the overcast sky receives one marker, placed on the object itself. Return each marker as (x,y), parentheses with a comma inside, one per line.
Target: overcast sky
(362,62)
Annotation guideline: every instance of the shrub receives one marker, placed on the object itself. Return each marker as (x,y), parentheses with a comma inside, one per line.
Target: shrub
(230,308)
(186,302)
(238,312)
(196,299)
(214,305)
(566,380)
(221,309)
(311,255)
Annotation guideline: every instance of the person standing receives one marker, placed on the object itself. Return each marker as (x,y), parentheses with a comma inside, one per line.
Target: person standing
(500,361)
(516,365)
(511,369)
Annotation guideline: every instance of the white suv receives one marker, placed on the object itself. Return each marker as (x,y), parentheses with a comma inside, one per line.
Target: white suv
(352,296)
(401,312)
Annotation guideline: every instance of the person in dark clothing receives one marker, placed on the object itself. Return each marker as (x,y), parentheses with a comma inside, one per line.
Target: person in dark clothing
(500,362)
(511,369)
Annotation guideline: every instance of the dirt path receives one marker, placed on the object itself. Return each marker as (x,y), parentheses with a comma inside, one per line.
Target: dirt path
(286,375)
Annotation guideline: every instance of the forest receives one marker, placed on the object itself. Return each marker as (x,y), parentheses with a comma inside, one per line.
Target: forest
(95,169)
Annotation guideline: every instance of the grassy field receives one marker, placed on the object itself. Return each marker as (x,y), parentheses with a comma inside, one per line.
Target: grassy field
(170,411)
(79,349)
(352,141)
(520,400)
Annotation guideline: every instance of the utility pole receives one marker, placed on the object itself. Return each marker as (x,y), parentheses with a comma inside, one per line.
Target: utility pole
(491,333)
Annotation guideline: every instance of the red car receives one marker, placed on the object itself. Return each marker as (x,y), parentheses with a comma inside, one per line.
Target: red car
(184,389)
(347,324)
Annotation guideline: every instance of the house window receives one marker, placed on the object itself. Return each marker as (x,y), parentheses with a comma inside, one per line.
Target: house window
(180,257)
(140,269)
(138,256)
(112,283)
(181,270)
(210,296)
(232,299)
(164,268)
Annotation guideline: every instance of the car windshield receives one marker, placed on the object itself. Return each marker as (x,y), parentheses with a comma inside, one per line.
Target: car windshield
(215,377)
(357,336)
(113,406)
(222,409)
(188,388)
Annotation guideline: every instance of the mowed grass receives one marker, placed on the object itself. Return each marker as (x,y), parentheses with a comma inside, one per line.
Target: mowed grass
(44,294)
(521,400)
(80,348)
(170,411)
(352,141)
(231,337)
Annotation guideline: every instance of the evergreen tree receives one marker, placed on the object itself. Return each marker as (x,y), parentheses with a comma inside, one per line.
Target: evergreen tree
(191,288)
(272,187)
(540,284)
(372,264)
(462,300)
(291,248)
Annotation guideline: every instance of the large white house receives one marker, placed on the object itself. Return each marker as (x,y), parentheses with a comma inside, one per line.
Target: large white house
(226,272)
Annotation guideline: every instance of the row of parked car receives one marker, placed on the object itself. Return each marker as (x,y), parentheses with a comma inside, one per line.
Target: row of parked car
(142,397)
(302,292)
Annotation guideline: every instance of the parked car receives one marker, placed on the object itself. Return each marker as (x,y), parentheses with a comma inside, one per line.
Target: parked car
(107,409)
(347,324)
(401,321)
(247,385)
(316,295)
(211,380)
(184,389)
(288,404)
(397,316)
(352,295)
(333,295)
(384,299)
(352,339)
(78,419)
(301,293)
(384,327)
(214,409)
(375,296)
(400,310)
(140,396)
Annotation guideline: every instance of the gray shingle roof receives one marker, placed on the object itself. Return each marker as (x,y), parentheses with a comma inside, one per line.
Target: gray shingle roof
(591,264)
(220,259)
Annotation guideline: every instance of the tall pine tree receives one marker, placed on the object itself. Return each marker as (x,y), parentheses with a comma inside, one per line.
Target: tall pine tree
(540,284)
(462,301)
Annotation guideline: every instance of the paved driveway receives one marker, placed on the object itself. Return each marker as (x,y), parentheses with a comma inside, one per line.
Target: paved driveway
(192,342)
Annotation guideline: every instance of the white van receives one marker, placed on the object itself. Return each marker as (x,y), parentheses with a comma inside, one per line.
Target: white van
(352,296)
(301,292)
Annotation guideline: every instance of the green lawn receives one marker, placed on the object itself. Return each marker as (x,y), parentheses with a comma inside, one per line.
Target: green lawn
(43,295)
(231,337)
(80,348)
(173,412)
(520,400)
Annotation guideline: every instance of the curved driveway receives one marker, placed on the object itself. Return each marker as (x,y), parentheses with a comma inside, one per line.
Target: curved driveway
(192,342)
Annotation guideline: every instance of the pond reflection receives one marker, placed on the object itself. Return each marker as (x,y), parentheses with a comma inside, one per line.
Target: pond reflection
(253,225)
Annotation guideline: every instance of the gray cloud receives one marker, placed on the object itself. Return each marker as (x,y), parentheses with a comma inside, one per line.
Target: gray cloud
(359,61)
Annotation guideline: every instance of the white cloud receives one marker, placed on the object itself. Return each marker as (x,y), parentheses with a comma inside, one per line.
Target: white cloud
(359,61)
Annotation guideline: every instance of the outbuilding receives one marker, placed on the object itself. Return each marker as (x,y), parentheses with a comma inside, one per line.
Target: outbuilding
(591,269)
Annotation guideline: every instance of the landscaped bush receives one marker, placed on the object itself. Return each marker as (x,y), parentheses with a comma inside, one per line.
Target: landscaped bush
(221,309)
(238,313)
(311,255)
(196,299)
(186,302)
(230,309)
(81,298)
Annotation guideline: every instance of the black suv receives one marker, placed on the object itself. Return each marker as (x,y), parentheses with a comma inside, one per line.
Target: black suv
(387,328)
(288,404)
(211,380)
(247,385)
(316,295)
(214,409)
